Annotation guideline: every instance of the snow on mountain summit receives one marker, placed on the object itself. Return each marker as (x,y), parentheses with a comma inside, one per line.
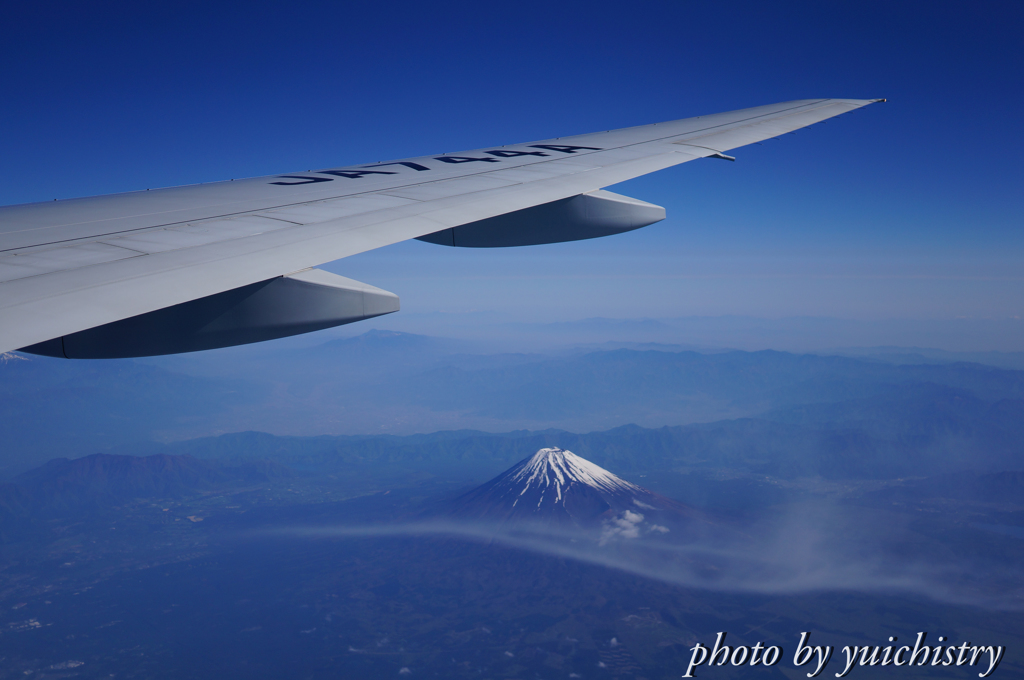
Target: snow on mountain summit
(555,469)
(557,486)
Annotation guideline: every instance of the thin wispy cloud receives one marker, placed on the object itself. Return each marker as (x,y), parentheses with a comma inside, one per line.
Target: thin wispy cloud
(795,554)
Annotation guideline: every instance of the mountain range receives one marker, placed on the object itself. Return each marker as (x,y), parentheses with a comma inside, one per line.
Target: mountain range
(863,415)
(93,484)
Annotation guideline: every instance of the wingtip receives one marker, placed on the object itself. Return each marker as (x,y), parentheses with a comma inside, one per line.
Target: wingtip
(877,101)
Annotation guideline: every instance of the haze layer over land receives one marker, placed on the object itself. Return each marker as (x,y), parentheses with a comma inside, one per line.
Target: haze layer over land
(900,411)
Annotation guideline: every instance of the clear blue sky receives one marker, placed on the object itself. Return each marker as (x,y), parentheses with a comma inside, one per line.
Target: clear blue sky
(910,209)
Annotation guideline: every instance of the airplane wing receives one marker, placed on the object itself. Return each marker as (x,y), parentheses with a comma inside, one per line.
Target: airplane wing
(212,265)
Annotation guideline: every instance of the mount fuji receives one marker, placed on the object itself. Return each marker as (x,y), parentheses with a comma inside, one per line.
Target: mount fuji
(558,487)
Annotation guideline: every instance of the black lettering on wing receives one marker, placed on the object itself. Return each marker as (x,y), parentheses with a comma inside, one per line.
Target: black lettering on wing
(464,159)
(512,153)
(305,180)
(354,174)
(408,164)
(564,148)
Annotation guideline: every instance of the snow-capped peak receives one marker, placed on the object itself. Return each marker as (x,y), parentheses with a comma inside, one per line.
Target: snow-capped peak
(556,469)
(555,485)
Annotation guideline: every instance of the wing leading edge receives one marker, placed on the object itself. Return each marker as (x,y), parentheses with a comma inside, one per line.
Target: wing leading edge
(71,266)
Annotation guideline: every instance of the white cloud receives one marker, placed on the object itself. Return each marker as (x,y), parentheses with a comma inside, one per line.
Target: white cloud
(826,549)
(625,526)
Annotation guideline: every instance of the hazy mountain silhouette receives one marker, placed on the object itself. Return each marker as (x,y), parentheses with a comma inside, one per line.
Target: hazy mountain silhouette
(63,485)
(828,415)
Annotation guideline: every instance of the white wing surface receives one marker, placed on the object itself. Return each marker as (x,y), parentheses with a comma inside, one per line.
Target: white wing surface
(74,265)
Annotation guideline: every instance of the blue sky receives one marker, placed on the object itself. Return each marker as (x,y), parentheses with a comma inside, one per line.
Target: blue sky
(907,210)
